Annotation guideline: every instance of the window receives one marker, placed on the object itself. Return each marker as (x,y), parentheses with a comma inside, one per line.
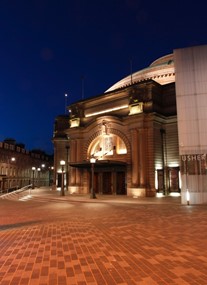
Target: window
(108,145)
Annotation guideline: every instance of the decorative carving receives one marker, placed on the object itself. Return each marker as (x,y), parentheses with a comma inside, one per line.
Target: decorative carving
(105,127)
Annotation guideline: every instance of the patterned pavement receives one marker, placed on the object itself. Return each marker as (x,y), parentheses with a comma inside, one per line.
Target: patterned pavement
(52,240)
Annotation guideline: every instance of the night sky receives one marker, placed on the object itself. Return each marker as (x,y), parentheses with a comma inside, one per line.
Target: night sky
(80,47)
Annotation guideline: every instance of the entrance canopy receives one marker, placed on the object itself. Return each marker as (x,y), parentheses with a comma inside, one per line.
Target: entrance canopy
(99,163)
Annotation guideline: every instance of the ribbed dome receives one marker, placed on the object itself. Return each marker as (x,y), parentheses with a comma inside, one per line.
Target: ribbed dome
(161,70)
(164,60)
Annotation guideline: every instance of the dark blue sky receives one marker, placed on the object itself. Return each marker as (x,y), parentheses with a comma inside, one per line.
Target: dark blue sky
(47,46)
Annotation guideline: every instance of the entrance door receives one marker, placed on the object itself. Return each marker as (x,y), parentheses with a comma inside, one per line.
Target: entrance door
(120,183)
(174,179)
(96,184)
(107,186)
(108,182)
(59,180)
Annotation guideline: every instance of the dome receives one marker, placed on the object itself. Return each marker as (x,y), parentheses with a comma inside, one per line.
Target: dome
(161,70)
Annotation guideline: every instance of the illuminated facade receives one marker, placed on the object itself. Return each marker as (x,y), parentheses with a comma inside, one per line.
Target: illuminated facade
(148,132)
(131,130)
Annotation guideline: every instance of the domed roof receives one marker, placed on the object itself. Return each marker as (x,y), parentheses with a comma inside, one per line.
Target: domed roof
(161,70)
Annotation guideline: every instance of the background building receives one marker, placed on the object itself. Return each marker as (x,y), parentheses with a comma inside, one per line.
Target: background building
(19,167)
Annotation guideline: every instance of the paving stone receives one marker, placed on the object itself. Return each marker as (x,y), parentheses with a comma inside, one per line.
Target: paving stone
(111,240)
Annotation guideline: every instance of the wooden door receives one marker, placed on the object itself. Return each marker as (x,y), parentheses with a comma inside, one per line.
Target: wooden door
(107,186)
(120,183)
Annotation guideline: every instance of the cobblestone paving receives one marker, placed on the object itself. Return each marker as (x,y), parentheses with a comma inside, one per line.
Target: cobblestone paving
(53,240)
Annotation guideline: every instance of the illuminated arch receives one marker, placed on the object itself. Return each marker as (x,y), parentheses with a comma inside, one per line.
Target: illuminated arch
(102,146)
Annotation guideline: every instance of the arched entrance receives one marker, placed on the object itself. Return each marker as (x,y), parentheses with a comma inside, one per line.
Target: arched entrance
(109,151)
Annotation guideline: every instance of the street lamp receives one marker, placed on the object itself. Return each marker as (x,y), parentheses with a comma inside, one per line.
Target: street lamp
(38,169)
(10,183)
(51,175)
(33,172)
(92,161)
(62,163)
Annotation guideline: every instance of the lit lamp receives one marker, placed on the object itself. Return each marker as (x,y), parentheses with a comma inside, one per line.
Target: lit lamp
(92,161)
(62,163)
(33,172)
(38,169)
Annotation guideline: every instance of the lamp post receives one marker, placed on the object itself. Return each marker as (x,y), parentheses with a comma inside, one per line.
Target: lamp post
(92,161)
(62,163)
(33,172)
(13,160)
(43,176)
(51,175)
(38,169)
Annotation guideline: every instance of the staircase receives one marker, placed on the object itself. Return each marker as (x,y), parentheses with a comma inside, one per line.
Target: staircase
(18,194)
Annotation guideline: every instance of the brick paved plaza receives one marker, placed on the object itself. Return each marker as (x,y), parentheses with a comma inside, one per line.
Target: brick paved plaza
(54,240)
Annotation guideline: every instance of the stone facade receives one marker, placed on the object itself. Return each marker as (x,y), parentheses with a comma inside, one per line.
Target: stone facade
(130,131)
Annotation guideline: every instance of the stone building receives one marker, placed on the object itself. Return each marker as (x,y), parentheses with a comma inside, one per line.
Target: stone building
(130,130)
(20,167)
(147,133)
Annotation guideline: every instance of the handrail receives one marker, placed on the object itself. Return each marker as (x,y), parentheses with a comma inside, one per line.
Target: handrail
(18,191)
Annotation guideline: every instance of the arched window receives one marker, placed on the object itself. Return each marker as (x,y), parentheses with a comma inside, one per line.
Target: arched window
(107,145)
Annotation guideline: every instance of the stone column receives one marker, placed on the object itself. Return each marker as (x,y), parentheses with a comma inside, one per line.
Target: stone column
(78,158)
(73,159)
(142,157)
(135,158)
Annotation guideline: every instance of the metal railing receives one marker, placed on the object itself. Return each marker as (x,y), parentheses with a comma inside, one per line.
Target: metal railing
(17,192)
